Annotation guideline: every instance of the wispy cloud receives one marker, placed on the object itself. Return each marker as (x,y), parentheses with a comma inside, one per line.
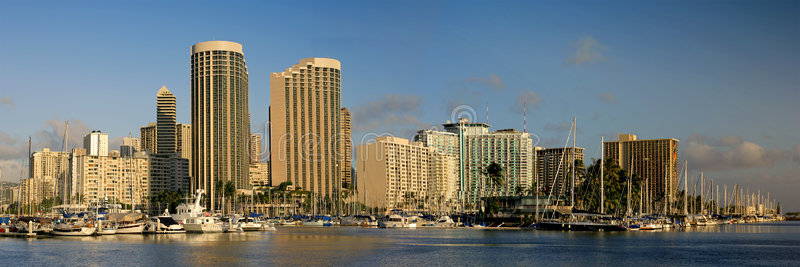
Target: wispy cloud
(396,114)
(526,98)
(493,82)
(607,97)
(729,153)
(560,127)
(587,50)
(7,102)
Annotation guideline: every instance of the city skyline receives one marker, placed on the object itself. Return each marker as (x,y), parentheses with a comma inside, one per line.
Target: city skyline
(720,78)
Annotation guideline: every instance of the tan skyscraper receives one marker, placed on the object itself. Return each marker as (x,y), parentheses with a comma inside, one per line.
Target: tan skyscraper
(220,116)
(165,122)
(654,160)
(255,148)
(304,125)
(147,138)
(184,140)
(346,161)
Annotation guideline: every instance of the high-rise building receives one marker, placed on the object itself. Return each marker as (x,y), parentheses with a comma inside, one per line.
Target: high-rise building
(446,144)
(220,116)
(166,134)
(553,169)
(259,174)
(304,126)
(99,178)
(130,145)
(654,160)
(147,135)
(474,148)
(397,173)
(96,143)
(346,143)
(49,169)
(184,141)
(255,148)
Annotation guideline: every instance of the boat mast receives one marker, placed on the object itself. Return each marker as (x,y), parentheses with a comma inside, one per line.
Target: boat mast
(685,189)
(572,189)
(602,166)
(702,188)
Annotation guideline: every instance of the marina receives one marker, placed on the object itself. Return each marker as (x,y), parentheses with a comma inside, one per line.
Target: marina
(734,244)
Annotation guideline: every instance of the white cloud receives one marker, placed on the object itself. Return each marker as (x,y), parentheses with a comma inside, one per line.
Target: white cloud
(587,50)
(728,153)
(526,98)
(607,97)
(492,81)
(7,101)
(396,114)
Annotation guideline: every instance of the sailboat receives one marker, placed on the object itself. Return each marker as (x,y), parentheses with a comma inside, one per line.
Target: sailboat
(582,221)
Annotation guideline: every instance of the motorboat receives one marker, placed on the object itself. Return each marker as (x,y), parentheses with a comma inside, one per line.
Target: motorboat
(164,224)
(195,219)
(250,224)
(397,221)
(74,227)
(359,220)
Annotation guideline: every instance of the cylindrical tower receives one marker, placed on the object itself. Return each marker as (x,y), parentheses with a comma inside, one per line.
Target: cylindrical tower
(220,117)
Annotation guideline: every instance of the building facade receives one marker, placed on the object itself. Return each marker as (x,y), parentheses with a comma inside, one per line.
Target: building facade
(96,143)
(654,160)
(259,174)
(553,170)
(220,116)
(346,143)
(113,179)
(474,147)
(166,132)
(184,141)
(304,126)
(130,145)
(511,149)
(147,138)
(255,148)
(398,173)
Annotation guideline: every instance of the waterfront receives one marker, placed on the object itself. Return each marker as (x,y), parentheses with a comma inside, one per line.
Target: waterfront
(738,244)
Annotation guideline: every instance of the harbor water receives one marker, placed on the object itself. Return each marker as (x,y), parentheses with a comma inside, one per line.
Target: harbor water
(740,244)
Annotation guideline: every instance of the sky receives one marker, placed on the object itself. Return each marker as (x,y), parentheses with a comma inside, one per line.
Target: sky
(720,76)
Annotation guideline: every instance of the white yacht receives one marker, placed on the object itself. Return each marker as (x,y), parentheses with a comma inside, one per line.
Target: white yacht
(397,221)
(74,227)
(444,221)
(194,218)
(249,224)
(129,223)
(359,220)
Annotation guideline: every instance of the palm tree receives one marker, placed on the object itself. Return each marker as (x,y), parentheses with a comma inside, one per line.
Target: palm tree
(230,191)
(495,173)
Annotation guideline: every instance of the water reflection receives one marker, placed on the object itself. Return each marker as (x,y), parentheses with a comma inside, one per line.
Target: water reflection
(742,244)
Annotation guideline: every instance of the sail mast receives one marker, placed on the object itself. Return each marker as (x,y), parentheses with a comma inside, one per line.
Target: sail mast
(685,188)
(602,166)
(572,189)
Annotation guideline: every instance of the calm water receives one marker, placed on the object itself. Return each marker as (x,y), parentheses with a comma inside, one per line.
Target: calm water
(757,244)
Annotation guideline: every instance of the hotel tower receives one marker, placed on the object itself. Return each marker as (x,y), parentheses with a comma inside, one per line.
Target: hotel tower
(305,134)
(220,117)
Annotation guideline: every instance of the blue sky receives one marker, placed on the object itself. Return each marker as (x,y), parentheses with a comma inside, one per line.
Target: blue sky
(721,76)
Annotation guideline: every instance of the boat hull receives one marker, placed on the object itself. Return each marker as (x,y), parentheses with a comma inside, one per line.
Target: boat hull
(203,227)
(565,226)
(82,231)
(135,228)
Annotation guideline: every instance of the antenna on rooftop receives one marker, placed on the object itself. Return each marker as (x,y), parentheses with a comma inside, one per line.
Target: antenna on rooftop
(524,116)
(487,112)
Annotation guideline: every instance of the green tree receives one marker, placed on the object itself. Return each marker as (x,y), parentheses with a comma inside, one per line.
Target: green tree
(230,194)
